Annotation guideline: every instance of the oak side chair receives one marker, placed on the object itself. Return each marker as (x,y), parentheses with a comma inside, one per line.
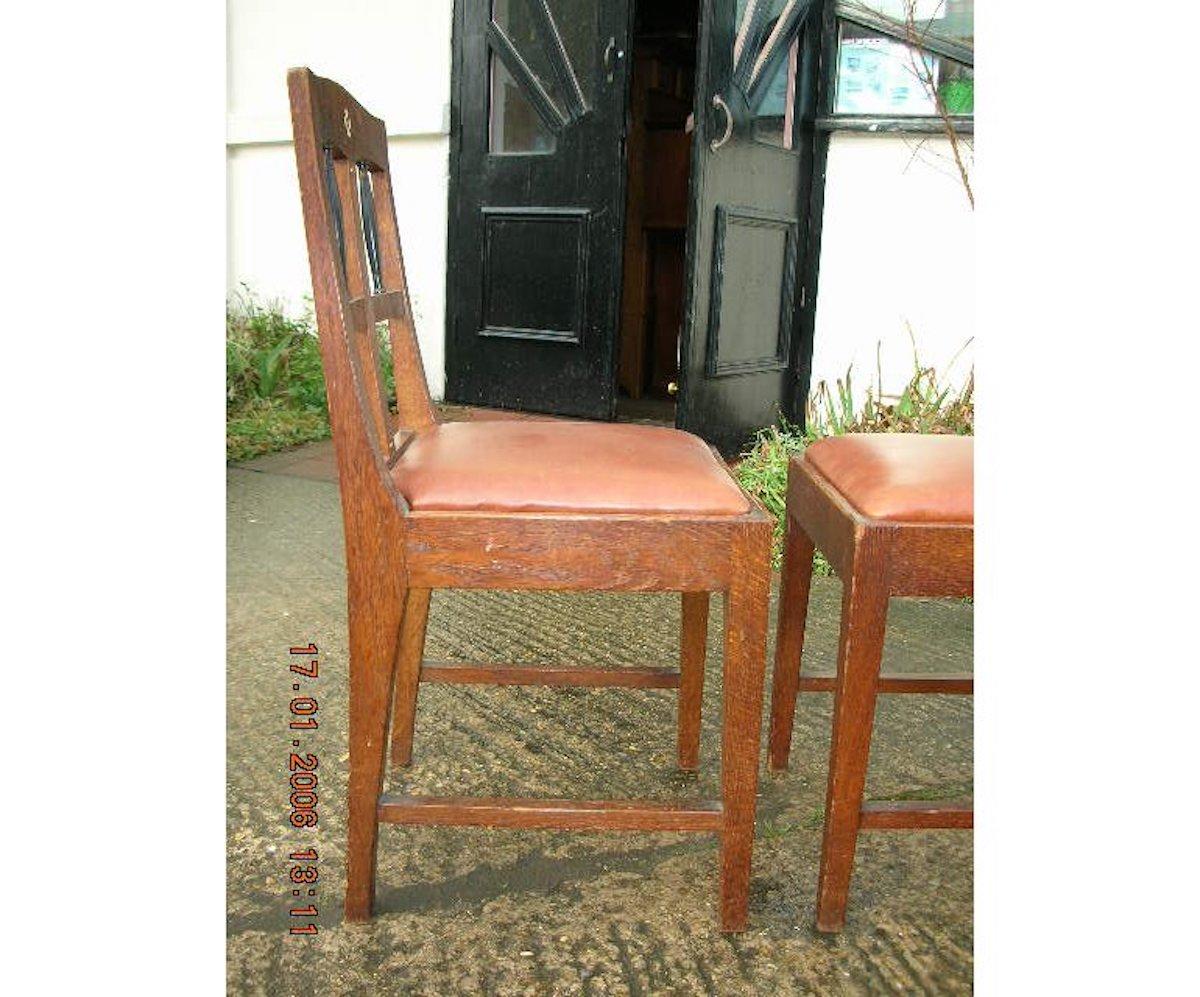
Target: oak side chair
(472,505)
(894,516)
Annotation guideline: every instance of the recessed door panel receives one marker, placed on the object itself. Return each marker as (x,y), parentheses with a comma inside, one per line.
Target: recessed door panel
(535,274)
(753,276)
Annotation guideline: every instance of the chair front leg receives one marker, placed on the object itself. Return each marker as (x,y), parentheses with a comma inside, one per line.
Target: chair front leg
(860,650)
(374,623)
(745,652)
(789,641)
(692,643)
(409,654)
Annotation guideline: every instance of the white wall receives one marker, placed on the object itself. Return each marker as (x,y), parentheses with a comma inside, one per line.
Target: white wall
(898,246)
(395,58)
(898,239)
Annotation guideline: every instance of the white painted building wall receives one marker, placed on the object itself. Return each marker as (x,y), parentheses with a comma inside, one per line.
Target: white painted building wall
(898,243)
(393,56)
(897,251)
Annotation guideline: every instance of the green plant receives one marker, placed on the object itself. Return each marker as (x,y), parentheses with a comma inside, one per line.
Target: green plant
(924,406)
(274,382)
(958,96)
(269,355)
(269,426)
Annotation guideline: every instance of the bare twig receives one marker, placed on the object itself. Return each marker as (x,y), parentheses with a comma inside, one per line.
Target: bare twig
(924,72)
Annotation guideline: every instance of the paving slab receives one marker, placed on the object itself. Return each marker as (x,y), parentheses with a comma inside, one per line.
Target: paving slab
(540,912)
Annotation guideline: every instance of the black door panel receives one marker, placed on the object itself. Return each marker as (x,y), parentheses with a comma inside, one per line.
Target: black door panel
(536,192)
(740,351)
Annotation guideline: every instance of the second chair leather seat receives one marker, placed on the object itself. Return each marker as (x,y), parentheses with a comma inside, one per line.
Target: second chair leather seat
(559,466)
(901,477)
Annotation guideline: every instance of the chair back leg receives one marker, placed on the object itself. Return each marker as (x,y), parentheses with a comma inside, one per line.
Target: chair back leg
(692,644)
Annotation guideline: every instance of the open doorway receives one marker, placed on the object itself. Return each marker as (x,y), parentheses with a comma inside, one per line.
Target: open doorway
(658,162)
(576,240)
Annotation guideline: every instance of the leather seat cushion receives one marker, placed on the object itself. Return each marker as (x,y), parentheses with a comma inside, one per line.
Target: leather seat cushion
(904,477)
(558,466)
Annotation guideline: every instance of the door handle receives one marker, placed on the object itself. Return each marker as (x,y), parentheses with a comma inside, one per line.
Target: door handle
(612,55)
(719,103)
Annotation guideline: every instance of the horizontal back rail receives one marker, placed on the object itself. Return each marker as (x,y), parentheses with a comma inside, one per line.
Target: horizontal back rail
(375,308)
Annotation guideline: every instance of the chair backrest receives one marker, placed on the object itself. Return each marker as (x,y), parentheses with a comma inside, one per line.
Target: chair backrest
(357,274)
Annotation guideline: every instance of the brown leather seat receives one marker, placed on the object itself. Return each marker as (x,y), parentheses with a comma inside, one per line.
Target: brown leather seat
(902,477)
(553,466)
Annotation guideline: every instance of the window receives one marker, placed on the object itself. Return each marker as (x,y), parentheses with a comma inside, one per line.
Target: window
(765,61)
(905,58)
(535,90)
(513,124)
(774,118)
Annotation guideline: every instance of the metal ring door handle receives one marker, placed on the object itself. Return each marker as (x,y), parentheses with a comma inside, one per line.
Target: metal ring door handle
(716,143)
(610,63)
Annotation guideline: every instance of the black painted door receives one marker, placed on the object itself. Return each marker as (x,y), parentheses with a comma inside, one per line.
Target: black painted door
(741,360)
(536,203)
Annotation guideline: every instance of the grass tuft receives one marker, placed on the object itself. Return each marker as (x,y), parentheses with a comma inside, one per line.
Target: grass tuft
(270,426)
(924,406)
(274,382)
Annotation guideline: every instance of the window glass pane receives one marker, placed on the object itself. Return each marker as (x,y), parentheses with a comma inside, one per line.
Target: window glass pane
(754,21)
(956,87)
(576,26)
(515,18)
(513,125)
(774,119)
(878,75)
(953,20)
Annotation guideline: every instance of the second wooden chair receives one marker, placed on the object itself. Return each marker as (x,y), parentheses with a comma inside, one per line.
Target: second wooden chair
(894,516)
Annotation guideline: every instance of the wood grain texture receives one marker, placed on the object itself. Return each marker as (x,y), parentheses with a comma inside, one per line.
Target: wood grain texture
(565,552)
(361,331)
(947,684)
(374,620)
(932,560)
(473,673)
(860,650)
(413,403)
(794,587)
(569,815)
(411,648)
(898,815)
(371,309)
(876,559)
(824,516)
(692,648)
(745,653)
(372,510)
(395,557)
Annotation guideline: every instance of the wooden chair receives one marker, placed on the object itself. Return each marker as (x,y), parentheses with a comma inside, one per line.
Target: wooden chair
(894,516)
(506,505)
